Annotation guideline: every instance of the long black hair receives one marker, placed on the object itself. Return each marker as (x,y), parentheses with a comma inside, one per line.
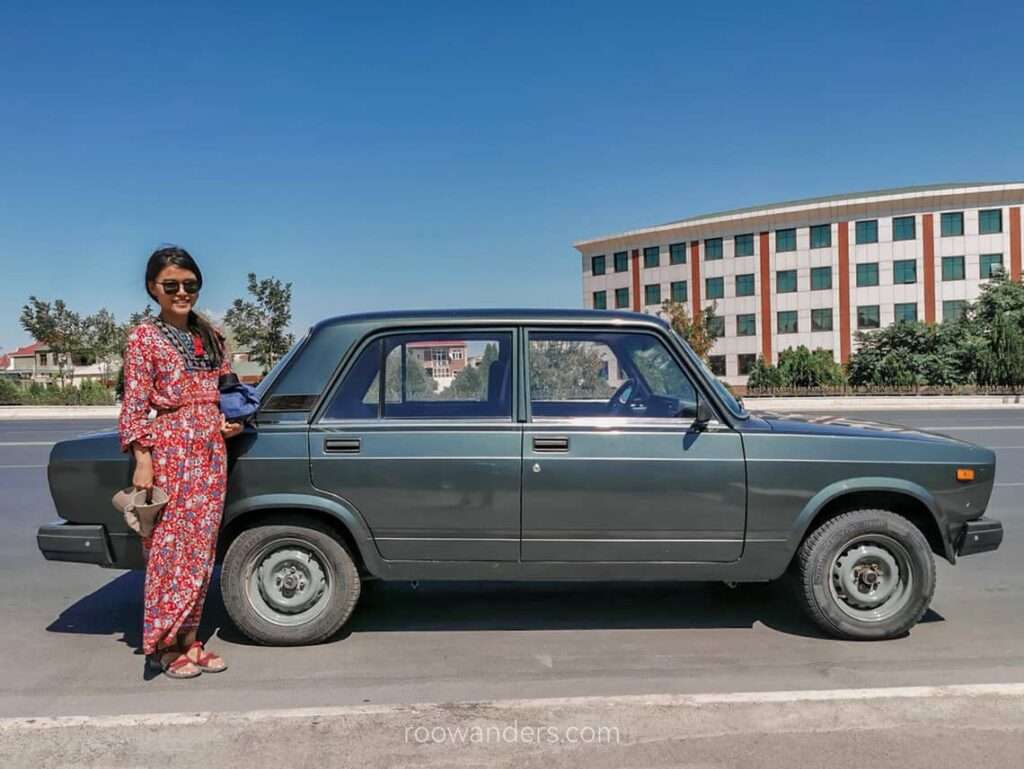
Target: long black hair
(213,340)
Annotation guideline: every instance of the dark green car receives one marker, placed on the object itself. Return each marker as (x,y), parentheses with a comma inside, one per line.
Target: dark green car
(546,445)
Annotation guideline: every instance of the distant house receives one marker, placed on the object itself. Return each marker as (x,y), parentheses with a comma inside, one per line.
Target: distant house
(36,362)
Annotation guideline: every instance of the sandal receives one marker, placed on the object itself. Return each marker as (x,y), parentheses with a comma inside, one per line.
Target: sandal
(204,658)
(174,668)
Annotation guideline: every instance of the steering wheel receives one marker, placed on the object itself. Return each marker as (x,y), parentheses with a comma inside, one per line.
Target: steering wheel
(622,397)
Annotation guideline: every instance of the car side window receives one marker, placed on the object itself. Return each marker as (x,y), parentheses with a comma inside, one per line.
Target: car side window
(447,375)
(606,374)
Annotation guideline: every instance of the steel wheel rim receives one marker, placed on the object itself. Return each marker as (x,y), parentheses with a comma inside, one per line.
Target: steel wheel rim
(289,582)
(871,578)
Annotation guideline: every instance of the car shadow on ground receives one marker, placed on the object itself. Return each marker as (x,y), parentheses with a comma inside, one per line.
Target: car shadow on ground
(116,608)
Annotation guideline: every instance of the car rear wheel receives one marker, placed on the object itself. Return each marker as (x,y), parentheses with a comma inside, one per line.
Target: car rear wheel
(866,575)
(289,583)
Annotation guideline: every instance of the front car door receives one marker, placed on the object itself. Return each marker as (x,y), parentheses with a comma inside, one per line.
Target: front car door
(418,436)
(613,469)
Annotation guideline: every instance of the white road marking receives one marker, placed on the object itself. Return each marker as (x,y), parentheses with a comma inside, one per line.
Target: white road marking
(19,467)
(1008,484)
(967,427)
(655,700)
(28,443)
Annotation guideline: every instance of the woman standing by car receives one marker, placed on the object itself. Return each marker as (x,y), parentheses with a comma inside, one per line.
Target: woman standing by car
(172,363)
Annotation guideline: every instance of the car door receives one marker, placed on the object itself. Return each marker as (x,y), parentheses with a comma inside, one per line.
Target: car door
(613,467)
(419,437)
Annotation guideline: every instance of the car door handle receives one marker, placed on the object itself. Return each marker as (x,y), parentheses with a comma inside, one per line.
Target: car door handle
(342,445)
(552,443)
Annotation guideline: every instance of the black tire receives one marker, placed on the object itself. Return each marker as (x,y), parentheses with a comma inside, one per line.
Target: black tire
(329,566)
(838,570)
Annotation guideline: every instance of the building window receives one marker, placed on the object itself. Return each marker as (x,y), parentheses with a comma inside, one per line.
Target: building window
(990,221)
(903,228)
(787,322)
(906,312)
(867,274)
(716,326)
(821,236)
(867,316)
(717,364)
(953,224)
(952,268)
(652,293)
(678,289)
(821,278)
(952,309)
(745,362)
(652,257)
(43,359)
(785,240)
(621,298)
(712,249)
(600,300)
(746,325)
(821,319)
(744,245)
(621,261)
(745,285)
(904,271)
(785,281)
(714,288)
(991,265)
(867,231)
(677,253)
(597,265)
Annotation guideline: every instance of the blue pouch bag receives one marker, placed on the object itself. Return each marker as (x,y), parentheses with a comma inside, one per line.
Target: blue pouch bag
(238,401)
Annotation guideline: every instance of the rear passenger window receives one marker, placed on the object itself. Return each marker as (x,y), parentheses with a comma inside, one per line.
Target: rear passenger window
(429,376)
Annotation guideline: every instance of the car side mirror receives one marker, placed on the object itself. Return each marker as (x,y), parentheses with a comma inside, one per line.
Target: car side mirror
(704,415)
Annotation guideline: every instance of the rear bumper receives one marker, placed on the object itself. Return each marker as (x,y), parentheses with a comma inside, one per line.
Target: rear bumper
(79,543)
(979,536)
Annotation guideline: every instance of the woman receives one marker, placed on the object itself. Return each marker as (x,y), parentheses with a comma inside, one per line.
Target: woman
(172,363)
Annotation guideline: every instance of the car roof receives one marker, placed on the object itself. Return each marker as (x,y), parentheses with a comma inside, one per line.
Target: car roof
(490,315)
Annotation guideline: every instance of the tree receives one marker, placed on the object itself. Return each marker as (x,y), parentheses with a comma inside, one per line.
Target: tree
(911,353)
(563,370)
(472,381)
(699,332)
(260,325)
(59,328)
(763,375)
(992,331)
(800,367)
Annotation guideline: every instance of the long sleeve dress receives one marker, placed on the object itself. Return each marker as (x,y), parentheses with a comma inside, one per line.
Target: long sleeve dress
(161,370)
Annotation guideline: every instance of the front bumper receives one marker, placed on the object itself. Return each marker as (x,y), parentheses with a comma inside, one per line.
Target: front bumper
(79,543)
(979,536)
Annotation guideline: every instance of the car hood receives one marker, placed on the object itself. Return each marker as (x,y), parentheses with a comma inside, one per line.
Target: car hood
(830,424)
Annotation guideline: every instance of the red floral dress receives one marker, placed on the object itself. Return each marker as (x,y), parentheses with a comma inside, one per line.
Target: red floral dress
(189,463)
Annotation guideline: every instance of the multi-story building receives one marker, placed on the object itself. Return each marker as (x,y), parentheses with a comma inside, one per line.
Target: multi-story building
(813,272)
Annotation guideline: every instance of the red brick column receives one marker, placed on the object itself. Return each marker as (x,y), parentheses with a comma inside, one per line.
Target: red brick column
(637,306)
(845,340)
(766,299)
(695,276)
(1015,243)
(928,243)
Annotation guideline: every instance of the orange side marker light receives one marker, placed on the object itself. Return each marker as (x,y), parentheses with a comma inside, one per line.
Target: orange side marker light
(965,474)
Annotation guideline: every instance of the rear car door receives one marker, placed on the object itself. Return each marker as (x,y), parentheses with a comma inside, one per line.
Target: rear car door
(419,437)
(613,468)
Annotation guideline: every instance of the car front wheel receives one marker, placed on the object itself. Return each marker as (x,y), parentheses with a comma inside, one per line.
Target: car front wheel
(289,582)
(866,575)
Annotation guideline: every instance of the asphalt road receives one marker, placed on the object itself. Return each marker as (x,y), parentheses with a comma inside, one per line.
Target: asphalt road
(69,642)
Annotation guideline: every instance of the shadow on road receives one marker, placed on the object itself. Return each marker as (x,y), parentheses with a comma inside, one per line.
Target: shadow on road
(467,606)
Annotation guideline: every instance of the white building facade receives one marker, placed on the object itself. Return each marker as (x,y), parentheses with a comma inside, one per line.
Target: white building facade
(814,272)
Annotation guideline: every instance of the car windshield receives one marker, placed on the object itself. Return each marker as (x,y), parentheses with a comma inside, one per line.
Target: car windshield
(730,400)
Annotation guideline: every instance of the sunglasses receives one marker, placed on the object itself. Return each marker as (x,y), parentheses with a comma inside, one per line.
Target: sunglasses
(173,286)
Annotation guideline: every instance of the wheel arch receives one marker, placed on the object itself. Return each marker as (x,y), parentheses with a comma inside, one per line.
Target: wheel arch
(346,522)
(904,498)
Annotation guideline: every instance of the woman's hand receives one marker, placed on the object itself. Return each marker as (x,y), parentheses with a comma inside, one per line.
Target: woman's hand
(142,478)
(229,429)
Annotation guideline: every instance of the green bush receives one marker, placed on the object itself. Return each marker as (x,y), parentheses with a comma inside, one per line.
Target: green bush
(10,393)
(89,393)
(798,367)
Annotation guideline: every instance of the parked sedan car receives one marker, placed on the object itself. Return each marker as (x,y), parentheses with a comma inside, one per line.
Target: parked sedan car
(532,445)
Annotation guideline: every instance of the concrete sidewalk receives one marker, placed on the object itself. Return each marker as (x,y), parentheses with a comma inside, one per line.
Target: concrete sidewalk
(931,727)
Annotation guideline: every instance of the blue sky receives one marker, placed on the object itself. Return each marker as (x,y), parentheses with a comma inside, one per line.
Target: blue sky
(397,155)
